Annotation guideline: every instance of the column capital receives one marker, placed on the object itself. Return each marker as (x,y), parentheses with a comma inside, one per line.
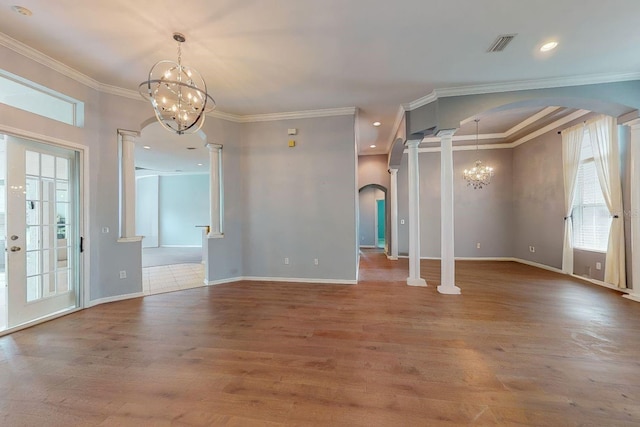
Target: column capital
(411,143)
(212,147)
(393,171)
(128,134)
(443,133)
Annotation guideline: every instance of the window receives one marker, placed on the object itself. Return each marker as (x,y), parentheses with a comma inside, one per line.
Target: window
(29,96)
(591,218)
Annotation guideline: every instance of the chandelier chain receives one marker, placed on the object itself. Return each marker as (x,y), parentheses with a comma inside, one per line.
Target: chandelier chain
(178,94)
(479,175)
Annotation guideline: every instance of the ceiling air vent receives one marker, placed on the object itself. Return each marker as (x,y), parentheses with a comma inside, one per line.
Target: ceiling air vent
(501,42)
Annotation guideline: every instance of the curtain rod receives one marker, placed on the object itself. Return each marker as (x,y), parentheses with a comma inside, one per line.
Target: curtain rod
(560,131)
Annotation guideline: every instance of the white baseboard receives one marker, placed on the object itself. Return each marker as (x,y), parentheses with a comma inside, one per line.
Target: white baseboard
(536,264)
(181,246)
(282,279)
(222,281)
(632,297)
(302,280)
(600,283)
(392,258)
(368,246)
(488,258)
(106,300)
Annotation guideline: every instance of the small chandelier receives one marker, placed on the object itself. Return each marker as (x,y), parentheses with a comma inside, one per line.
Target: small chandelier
(479,175)
(178,94)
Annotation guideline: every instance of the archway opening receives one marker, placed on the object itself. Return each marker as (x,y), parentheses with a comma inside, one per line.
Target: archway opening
(172,207)
(373,218)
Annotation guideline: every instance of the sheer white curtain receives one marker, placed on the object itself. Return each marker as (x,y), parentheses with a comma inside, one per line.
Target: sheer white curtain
(571,144)
(604,143)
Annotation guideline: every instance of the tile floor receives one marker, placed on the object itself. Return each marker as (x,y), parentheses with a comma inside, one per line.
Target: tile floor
(168,278)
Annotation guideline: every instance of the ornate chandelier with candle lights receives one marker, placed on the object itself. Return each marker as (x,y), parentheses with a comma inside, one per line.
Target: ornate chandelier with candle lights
(178,94)
(479,175)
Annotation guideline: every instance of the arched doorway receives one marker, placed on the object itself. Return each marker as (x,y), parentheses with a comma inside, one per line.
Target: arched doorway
(373,218)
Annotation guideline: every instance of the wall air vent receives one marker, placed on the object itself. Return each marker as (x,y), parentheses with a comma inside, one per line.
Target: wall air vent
(501,42)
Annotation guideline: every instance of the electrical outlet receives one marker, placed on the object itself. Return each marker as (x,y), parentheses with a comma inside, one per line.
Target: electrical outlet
(402,221)
(532,249)
(105,230)
(286,261)
(123,274)
(478,245)
(315,261)
(598,266)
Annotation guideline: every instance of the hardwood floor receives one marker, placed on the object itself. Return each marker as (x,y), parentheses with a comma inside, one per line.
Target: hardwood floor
(520,346)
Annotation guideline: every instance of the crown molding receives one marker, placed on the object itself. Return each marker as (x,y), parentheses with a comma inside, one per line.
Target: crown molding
(47,61)
(551,126)
(428,99)
(549,83)
(230,117)
(119,91)
(503,135)
(306,114)
(55,65)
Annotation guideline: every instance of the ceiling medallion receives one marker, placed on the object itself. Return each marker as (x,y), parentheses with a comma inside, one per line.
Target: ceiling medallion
(178,94)
(479,175)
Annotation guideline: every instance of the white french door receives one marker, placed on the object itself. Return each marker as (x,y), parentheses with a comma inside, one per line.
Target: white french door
(42,241)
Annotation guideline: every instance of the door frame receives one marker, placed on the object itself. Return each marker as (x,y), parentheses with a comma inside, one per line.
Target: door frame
(377,222)
(83,204)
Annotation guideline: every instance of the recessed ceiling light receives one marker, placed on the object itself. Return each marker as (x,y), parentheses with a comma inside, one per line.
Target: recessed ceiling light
(372,146)
(376,124)
(199,164)
(22,10)
(548,46)
(146,147)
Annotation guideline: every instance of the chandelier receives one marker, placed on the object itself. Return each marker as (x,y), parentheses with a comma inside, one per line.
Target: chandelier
(178,94)
(479,175)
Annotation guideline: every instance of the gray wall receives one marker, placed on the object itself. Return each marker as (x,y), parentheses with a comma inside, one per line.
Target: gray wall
(484,215)
(147,210)
(481,216)
(225,254)
(373,170)
(522,207)
(538,199)
(300,202)
(183,205)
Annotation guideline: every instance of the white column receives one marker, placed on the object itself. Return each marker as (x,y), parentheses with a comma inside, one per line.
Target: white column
(414,278)
(394,214)
(127,185)
(634,211)
(215,219)
(447,255)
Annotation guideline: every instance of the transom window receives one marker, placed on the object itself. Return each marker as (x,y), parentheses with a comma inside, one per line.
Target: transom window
(21,93)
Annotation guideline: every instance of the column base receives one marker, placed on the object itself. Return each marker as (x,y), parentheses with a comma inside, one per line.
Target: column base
(632,297)
(416,282)
(215,235)
(392,258)
(449,290)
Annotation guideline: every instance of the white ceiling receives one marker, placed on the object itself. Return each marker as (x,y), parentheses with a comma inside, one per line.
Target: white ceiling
(168,153)
(275,56)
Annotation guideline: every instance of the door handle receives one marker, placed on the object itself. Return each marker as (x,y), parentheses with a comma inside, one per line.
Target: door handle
(15,248)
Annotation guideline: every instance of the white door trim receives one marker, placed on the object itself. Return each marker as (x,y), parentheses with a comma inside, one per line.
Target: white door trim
(84,190)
